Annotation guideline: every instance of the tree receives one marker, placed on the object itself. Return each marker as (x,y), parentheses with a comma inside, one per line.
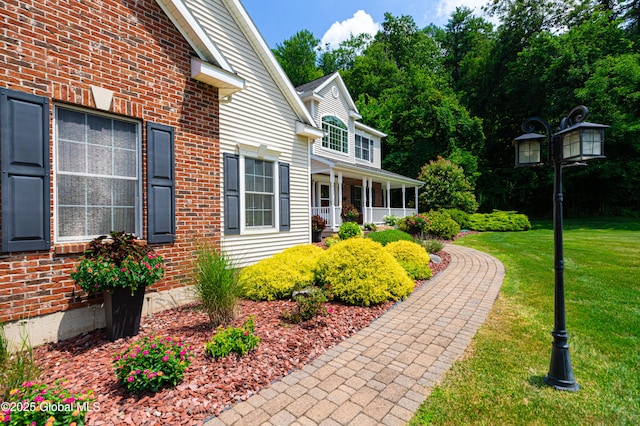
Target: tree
(446,187)
(297,56)
(466,39)
(402,90)
(344,57)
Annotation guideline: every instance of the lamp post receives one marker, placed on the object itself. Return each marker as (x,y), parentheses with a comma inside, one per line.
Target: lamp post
(575,141)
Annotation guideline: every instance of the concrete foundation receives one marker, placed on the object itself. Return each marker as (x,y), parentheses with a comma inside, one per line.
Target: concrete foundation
(67,324)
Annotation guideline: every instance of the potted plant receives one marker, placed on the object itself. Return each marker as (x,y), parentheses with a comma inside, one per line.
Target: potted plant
(349,213)
(121,269)
(317,226)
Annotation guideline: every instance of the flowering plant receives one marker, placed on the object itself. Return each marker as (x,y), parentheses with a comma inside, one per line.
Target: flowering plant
(39,404)
(318,223)
(349,213)
(117,261)
(416,224)
(152,363)
(233,339)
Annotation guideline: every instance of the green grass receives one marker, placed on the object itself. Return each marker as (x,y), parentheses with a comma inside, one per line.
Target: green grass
(499,380)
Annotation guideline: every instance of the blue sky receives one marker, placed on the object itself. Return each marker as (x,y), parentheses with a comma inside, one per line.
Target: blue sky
(333,20)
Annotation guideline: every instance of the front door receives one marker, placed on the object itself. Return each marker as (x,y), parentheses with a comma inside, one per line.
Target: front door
(356,200)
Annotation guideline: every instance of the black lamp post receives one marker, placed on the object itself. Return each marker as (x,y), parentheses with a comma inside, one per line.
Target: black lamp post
(574,142)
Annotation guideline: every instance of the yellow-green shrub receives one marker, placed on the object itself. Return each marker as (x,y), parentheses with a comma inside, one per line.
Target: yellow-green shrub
(360,272)
(278,276)
(412,257)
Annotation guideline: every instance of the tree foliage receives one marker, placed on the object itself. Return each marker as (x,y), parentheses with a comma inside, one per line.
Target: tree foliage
(297,56)
(446,187)
(461,92)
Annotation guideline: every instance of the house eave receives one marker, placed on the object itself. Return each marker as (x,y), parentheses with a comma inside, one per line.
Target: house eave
(184,21)
(305,130)
(227,83)
(370,130)
(357,170)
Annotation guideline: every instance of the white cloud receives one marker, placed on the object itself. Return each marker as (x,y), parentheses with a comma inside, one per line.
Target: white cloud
(361,22)
(445,8)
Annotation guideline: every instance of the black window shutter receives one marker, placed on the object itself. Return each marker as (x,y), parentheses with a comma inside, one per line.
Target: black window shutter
(285,197)
(161,205)
(231,194)
(24,138)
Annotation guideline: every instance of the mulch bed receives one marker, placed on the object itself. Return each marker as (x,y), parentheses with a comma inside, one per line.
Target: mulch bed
(209,386)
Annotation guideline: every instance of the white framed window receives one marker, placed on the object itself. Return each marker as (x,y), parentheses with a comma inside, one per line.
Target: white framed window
(336,134)
(257,196)
(98,180)
(364,148)
(259,207)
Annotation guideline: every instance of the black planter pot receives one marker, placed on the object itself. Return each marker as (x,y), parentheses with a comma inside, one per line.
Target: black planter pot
(316,236)
(122,312)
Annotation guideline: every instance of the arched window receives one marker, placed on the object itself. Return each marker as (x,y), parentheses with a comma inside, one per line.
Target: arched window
(336,134)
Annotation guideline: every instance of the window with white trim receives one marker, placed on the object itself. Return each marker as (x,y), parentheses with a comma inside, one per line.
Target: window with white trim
(259,193)
(364,148)
(336,134)
(97,172)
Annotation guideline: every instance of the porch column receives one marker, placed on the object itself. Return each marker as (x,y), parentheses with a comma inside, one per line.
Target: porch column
(370,200)
(364,200)
(339,193)
(404,200)
(332,198)
(417,209)
(388,198)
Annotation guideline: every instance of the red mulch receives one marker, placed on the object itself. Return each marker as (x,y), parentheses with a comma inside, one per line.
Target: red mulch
(209,385)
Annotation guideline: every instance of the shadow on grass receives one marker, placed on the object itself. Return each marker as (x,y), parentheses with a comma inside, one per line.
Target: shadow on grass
(537,382)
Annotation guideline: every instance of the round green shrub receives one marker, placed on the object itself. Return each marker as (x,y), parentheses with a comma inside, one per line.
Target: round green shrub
(461,217)
(412,257)
(349,230)
(499,221)
(359,271)
(278,276)
(442,226)
(389,235)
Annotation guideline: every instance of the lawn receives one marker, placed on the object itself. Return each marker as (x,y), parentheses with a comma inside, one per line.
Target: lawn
(499,380)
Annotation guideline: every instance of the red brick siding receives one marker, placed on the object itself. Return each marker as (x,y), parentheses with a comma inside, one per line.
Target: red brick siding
(57,49)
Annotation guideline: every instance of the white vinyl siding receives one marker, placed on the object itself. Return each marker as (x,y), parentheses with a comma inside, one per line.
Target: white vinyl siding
(338,107)
(258,115)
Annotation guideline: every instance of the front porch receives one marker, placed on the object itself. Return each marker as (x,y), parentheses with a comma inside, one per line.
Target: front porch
(376,214)
(375,193)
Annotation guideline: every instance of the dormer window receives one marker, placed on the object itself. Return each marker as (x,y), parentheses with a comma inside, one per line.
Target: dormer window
(364,148)
(336,135)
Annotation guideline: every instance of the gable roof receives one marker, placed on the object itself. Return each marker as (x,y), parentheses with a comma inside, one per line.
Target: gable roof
(312,89)
(213,68)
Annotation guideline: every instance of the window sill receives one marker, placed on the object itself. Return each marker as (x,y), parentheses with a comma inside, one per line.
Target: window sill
(77,248)
(259,231)
(71,248)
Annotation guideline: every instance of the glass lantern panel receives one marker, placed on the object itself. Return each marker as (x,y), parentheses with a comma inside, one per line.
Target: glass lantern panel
(571,145)
(592,143)
(529,152)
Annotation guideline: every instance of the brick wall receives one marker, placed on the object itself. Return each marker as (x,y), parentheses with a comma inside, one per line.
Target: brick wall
(57,49)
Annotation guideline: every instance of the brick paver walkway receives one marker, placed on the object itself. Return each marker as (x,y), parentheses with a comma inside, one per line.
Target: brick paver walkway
(382,374)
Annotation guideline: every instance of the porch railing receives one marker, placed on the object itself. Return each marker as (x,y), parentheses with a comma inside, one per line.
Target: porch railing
(378,214)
